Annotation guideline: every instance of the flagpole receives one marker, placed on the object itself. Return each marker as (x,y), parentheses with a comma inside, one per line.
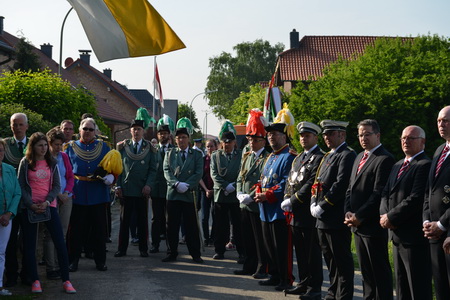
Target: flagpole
(154,95)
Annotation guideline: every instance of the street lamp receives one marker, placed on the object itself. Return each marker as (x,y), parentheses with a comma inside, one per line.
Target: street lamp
(206,93)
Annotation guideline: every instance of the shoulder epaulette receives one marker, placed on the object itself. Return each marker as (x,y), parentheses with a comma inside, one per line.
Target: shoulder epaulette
(292,152)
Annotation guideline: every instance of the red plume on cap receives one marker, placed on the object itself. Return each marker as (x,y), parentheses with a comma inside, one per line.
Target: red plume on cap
(256,123)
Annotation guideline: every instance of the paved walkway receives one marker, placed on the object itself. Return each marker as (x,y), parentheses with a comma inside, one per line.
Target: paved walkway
(133,277)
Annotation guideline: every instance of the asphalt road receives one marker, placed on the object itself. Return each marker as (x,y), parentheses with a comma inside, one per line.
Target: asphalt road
(133,277)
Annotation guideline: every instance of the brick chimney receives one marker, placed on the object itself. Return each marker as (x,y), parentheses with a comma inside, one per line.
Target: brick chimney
(108,73)
(295,39)
(85,56)
(1,25)
(47,49)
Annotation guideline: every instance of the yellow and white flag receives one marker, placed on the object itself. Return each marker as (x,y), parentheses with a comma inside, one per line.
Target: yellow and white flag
(125,28)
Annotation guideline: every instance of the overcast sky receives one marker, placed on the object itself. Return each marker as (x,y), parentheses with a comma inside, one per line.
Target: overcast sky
(211,27)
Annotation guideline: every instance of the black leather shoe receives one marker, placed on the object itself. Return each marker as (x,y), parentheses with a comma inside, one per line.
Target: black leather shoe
(218,256)
(241,259)
(297,290)
(269,282)
(169,258)
(120,253)
(198,260)
(242,272)
(154,250)
(283,286)
(10,283)
(311,296)
(144,254)
(101,267)
(73,267)
(260,275)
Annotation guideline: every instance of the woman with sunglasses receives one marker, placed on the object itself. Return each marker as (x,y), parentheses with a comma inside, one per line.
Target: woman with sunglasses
(91,196)
(40,184)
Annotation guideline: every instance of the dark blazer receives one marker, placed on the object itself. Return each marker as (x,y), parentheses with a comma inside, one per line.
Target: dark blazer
(365,188)
(12,154)
(300,180)
(436,206)
(160,189)
(334,177)
(402,200)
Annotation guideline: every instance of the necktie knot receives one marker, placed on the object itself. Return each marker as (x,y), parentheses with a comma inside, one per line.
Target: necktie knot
(362,161)
(403,168)
(183,155)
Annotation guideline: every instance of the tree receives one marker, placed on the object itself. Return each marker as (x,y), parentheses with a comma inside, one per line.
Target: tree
(229,76)
(26,59)
(398,82)
(36,121)
(48,95)
(245,102)
(185,110)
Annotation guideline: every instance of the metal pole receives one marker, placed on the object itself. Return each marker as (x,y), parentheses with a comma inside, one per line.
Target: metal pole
(154,102)
(61,41)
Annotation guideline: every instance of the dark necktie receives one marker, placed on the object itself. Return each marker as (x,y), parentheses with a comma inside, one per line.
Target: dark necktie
(21,148)
(441,160)
(229,156)
(135,148)
(253,159)
(404,167)
(183,156)
(362,162)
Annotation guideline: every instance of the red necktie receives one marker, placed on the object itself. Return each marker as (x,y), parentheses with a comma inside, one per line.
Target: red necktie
(362,161)
(404,167)
(441,160)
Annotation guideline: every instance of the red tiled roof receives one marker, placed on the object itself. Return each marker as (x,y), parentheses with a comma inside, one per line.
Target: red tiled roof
(316,52)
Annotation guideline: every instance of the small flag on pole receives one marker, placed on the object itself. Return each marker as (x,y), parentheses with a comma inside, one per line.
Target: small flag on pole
(120,29)
(157,84)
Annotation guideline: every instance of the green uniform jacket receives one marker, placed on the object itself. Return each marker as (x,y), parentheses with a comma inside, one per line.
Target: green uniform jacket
(12,154)
(249,176)
(190,172)
(224,172)
(138,169)
(160,190)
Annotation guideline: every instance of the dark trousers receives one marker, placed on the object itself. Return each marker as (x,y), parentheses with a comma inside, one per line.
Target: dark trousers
(84,218)
(223,214)
(252,240)
(309,258)
(335,245)
(375,268)
(176,210)
(207,205)
(412,266)
(158,220)
(11,263)
(441,272)
(138,206)
(276,242)
(30,232)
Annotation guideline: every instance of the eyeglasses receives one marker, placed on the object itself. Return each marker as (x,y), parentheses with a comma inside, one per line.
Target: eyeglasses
(364,135)
(405,138)
(88,129)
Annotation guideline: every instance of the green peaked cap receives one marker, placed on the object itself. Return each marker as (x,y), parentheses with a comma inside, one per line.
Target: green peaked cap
(166,124)
(142,114)
(185,123)
(227,126)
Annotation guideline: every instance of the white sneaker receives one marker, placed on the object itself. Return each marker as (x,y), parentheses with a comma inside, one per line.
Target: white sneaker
(5,292)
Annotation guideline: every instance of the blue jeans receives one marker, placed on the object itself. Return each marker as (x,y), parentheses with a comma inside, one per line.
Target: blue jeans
(29,244)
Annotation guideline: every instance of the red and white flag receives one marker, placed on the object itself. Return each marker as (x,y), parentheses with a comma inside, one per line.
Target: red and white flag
(158,89)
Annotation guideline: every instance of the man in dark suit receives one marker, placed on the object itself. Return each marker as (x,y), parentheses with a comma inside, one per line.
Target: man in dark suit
(140,161)
(183,169)
(401,212)
(255,262)
(362,211)
(327,205)
(436,214)
(165,127)
(225,165)
(297,198)
(13,154)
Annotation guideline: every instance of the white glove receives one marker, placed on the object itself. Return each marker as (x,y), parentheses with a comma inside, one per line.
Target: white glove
(108,179)
(316,210)
(182,187)
(230,188)
(286,205)
(245,199)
